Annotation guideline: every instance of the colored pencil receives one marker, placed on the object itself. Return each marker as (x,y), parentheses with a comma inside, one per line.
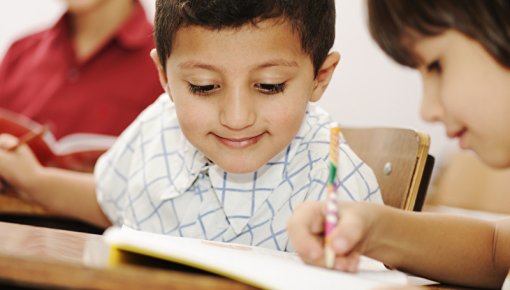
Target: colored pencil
(29,136)
(332,200)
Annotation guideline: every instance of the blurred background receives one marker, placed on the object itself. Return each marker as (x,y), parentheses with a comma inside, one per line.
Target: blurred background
(367,88)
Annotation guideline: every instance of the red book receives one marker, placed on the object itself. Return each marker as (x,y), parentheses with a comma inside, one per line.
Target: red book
(78,151)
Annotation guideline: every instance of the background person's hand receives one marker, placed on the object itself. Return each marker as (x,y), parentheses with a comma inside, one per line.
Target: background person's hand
(19,167)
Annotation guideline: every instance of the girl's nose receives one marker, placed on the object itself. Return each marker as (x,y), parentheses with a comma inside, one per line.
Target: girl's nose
(431,105)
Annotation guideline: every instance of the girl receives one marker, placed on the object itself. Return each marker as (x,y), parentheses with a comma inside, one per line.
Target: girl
(462,51)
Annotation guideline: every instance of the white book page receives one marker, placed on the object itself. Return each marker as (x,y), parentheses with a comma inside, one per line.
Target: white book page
(81,142)
(68,144)
(257,266)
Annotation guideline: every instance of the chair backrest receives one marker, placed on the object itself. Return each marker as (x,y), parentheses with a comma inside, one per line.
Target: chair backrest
(400,160)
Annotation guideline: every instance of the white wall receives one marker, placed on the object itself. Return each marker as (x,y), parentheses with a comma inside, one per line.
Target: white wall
(367,88)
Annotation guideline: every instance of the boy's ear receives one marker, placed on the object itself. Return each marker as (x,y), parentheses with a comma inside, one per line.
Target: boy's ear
(161,72)
(324,75)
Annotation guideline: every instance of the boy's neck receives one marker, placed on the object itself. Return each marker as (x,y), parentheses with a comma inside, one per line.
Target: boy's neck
(89,30)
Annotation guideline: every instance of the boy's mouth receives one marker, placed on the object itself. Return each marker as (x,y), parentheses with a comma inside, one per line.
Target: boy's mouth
(240,143)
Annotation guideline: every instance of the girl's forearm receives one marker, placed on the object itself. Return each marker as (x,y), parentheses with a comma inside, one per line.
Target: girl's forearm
(444,248)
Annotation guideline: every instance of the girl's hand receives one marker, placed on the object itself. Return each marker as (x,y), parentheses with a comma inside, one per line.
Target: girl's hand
(305,229)
(349,239)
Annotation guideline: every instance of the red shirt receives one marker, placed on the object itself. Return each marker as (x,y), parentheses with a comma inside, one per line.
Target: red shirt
(41,78)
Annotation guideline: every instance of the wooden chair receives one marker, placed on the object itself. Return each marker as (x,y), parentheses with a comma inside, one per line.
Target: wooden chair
(400,160)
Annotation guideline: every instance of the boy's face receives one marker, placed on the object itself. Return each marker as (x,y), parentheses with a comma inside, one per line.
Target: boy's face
(469,92)
(241,94)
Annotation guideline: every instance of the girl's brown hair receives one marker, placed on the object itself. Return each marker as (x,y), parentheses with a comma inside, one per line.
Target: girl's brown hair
(396,24)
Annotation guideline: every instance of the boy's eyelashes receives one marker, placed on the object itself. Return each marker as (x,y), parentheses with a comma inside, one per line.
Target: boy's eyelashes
(202,90)
(268,89)
(271,89)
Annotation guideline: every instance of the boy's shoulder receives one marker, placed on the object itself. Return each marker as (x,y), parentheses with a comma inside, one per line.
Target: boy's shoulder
(312,139)
(314,135)
(25,44)
(316,125)
(162,104)
(158,118)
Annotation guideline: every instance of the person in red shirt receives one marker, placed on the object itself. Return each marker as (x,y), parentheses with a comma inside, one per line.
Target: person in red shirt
(89,73)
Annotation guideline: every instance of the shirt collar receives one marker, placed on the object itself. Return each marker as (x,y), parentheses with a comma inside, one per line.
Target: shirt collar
(241,195)
(193,164)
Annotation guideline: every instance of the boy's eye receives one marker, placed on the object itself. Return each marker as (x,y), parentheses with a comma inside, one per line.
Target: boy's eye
(434,66)
(202,90)
(271,88)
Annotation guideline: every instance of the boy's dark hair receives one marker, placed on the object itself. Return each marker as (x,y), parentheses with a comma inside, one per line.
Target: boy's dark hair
(394,24)
(313,20)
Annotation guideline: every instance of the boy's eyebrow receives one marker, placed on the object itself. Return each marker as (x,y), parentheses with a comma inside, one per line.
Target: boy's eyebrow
(270,63)
(194,64)
(278,62)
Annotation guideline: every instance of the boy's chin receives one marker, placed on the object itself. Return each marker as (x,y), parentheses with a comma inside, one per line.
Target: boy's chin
(240,167)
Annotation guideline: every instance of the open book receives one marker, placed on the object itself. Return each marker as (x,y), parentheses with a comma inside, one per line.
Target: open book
(259,267)
(76,151)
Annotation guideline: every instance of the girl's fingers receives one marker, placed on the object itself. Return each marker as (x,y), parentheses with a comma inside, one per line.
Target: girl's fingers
(348,263)
(305,230)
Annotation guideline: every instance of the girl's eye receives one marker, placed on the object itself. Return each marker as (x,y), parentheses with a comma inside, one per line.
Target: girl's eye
(271,89)
(434,66)
(202,90)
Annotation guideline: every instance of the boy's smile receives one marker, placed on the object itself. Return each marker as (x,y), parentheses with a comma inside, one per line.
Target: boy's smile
(241,93)
(240,142)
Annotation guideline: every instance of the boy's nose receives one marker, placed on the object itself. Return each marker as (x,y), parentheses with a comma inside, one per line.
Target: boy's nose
(237,110)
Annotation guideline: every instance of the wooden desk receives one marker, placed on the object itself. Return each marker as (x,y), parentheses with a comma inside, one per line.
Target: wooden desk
(44,258)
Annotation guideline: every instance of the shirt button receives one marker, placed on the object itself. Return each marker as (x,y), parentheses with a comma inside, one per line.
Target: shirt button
(73,75)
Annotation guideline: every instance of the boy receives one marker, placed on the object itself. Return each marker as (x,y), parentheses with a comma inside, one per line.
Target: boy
(463,54)
(234,145)
(63,76)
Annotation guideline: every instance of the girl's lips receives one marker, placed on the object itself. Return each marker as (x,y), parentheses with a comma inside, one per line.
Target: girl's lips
(462,140)
(461,136)
(456,134)
(240,143)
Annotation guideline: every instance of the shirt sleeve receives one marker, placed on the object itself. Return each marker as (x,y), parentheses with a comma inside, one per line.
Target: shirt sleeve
(114,168)
(357,181)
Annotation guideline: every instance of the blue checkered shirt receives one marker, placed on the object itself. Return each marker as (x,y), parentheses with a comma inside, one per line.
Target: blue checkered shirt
(153,179)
